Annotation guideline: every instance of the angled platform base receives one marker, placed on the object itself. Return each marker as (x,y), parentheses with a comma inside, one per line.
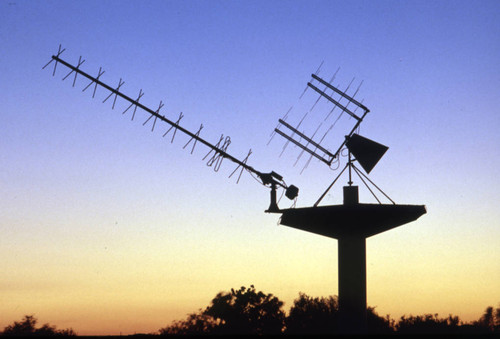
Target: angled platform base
(360,220)
(351,223)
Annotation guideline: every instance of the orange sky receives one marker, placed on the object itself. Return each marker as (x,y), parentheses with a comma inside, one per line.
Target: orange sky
(108,228)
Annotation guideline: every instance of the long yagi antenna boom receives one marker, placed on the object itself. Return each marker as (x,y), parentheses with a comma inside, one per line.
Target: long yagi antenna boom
(220,151)
(156,115)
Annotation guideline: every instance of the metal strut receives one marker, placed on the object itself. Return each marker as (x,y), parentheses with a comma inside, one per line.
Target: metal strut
(361,175)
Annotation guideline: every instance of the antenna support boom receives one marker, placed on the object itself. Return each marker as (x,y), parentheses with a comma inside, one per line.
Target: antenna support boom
(220,149)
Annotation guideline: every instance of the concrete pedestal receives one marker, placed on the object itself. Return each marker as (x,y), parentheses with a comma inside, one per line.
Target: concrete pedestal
(351,223)
(352,284)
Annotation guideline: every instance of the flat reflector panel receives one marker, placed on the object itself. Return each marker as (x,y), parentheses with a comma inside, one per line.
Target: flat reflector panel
(366,151)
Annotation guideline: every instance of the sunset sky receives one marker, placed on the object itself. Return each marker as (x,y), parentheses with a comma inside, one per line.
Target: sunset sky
(109,228)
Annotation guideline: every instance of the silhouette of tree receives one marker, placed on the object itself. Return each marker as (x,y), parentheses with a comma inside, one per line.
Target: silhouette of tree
(427,324)
(26,327)
(489,321)
(377,324)
(196,323)
(246,311)
(312,315)
(243,311)
(497,320)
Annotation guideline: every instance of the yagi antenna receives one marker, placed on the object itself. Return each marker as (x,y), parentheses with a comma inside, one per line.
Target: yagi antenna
(217,152)
(359,119)
(326,156)
(310,145)
(365,151)
(331,126)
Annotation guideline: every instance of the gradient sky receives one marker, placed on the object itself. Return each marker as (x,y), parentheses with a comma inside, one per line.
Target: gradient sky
(108,228)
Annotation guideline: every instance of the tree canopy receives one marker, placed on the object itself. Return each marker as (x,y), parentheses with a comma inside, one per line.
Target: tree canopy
(243,311)
(310,315)
(27,327)
(247,311)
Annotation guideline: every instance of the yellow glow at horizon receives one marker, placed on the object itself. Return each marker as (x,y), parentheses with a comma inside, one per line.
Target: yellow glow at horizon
(104,286)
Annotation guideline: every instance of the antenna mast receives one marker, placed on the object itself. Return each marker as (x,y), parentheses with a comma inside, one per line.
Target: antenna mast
(351,222)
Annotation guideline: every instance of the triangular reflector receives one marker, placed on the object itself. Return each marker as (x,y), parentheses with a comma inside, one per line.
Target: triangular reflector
(366,151)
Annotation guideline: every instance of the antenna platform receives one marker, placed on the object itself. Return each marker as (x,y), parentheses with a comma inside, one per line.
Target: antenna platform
(351,222)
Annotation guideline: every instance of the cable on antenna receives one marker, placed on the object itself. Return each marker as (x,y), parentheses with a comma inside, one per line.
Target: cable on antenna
(219,154)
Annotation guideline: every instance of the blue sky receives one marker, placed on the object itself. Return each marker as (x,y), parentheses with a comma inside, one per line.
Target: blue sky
(99,215)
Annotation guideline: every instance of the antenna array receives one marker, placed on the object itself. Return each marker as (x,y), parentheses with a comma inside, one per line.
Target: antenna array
(307,144)
(217,152)
(367,152)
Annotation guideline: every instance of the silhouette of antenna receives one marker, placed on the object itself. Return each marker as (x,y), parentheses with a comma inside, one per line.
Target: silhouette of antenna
(217,152)
(352,222)
(309,145)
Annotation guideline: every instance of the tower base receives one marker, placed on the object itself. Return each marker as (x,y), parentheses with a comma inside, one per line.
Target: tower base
(352,284)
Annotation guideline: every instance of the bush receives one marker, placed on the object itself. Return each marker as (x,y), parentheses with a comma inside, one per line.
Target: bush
(243,311)
(26,327)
